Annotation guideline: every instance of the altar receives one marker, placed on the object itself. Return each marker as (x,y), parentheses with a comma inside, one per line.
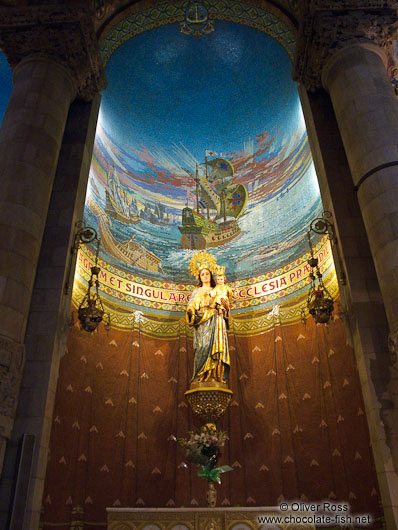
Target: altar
(236,518)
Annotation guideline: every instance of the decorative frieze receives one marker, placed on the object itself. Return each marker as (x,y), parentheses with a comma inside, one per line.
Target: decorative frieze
(63,34)
(237,518)
(327,27)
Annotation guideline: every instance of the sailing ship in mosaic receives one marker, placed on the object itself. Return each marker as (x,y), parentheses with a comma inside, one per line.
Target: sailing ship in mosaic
(129,251)
(155,214)
(219,204)
(119,204)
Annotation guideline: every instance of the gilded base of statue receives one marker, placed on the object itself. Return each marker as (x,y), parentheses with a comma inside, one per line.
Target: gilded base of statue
(211,495)
(209,399)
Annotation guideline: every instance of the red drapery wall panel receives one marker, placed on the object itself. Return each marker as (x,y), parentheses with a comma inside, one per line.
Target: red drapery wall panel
(296,424)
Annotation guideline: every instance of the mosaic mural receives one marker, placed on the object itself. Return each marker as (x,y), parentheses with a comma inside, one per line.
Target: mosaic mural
(201,144)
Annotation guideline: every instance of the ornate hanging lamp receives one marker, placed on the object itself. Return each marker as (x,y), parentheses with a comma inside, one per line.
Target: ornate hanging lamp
(91,310)
(319,301)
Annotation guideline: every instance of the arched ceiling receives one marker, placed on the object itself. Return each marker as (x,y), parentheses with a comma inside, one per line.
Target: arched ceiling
(172,97)
(109,13)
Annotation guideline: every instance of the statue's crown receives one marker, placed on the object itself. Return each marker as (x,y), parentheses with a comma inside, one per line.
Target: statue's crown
(202,260)
(220,271)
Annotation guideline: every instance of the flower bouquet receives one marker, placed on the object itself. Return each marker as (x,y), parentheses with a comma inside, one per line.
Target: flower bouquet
(203,448)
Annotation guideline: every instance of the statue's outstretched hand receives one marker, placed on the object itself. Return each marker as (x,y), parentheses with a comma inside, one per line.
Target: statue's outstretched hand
(225,303)
(191,315)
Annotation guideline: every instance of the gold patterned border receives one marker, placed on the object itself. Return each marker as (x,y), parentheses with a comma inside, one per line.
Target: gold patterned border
(166,325)
(174,12)
(86,258)
(117,284)
(198,519)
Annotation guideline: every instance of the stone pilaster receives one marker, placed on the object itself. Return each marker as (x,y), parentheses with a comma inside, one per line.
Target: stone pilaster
(50,309)
(367,113)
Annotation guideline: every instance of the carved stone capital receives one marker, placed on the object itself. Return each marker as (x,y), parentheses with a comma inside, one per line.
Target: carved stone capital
(63,34)
(12,360)
(329,26)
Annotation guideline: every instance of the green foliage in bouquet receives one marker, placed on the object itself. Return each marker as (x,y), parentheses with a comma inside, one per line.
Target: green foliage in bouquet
(204,448)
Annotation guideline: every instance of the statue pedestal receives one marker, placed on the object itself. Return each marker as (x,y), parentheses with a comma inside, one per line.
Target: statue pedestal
(198,518)
(209,400)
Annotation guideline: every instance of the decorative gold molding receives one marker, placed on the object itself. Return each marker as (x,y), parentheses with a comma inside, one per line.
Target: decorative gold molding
(166,326)
(270,287)
(199,518)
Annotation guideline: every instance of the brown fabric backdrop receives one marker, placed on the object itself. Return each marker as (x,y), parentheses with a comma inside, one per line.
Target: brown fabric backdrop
(296,424)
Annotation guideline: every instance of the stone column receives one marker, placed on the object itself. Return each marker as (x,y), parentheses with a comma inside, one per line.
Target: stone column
(340,48)
(366,110)
(54,55)
(364,305)
(30,140)
(49,314)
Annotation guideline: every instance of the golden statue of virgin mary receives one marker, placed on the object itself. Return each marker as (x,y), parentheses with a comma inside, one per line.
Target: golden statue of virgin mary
(207,313)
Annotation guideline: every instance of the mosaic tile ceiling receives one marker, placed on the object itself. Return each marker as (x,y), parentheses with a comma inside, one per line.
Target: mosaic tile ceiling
(201,145)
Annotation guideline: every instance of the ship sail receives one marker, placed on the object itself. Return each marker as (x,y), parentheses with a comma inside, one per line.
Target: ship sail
(221,168)
(117,192)
(209,195)
(235,200)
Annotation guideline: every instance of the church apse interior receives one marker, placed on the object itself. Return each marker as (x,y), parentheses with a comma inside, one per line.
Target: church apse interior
(203,147)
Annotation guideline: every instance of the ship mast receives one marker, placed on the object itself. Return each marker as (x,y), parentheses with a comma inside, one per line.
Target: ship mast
(207,206)
(197,187)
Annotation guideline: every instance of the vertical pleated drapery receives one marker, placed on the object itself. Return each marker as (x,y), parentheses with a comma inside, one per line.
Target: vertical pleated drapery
(296,423)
